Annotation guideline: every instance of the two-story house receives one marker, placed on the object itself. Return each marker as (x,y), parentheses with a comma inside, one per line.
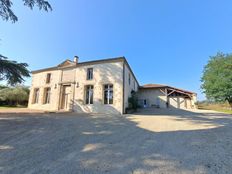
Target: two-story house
(101,86)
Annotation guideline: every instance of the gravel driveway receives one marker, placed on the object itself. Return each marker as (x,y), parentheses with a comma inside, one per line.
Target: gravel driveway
(151,141)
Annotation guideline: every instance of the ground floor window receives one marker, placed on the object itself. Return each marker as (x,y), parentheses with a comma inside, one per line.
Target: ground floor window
(108,94)
(47,94)
(89,94)
(36,95)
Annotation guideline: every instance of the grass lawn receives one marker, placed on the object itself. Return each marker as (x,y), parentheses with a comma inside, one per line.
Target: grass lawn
(224,110)
(11,107)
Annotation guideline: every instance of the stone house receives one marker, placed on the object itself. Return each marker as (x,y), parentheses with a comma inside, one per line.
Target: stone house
(100,86)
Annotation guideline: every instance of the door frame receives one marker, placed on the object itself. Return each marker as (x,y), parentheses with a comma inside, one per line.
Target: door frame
(64,96)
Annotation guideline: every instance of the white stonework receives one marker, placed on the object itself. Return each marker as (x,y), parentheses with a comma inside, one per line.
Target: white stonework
(68,85)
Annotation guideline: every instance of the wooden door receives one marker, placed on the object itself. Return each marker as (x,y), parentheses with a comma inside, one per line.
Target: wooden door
(65,97)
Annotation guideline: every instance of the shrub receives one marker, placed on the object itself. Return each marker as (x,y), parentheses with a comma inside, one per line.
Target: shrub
(133,101)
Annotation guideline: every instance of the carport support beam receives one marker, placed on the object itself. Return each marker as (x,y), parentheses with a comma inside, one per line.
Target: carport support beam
(166,93)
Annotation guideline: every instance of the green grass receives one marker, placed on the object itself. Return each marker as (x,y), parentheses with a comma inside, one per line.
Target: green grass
(11,107)
(225,111)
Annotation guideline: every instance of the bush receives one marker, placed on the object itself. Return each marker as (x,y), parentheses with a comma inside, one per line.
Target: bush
(133,101)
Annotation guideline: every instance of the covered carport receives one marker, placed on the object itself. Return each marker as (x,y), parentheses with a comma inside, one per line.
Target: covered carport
(177,98)
(163,96)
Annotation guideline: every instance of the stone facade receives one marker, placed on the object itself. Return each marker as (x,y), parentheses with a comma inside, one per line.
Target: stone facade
(69,83)
(101,86)
(153,97)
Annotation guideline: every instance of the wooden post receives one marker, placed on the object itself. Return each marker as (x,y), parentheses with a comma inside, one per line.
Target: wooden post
(166,93)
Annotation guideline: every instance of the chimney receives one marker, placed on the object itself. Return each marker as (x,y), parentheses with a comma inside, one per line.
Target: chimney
(76,58)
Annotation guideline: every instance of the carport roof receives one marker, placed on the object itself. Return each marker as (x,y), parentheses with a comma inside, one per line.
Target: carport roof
(153,86)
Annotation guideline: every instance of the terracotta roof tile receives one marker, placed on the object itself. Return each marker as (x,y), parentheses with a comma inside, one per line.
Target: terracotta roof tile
(149,86)
(153,86)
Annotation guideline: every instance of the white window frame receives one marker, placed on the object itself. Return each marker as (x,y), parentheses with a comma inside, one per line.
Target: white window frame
(36,96)
(89,74)
(88,90)
(48,78)
(47,95)
(108,90)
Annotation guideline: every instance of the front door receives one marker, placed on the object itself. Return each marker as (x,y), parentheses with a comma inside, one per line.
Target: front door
(65,97)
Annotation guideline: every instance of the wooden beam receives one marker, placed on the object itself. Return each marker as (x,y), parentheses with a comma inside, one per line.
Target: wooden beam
(171,92)
(180,92)
(163,91)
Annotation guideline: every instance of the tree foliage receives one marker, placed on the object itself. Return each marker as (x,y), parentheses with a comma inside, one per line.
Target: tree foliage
(133,100)
(217,78)
(14,95)
(12,71)
(7,13)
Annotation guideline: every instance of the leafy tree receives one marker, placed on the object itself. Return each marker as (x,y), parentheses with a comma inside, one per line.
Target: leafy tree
(3,87)
(217,78)
(12,71)
(14,96)
(7,13)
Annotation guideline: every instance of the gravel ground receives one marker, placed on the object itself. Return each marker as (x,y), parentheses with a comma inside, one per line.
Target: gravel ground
(149,142)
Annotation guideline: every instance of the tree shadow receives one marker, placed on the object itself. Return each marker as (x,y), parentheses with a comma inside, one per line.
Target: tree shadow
(97,143)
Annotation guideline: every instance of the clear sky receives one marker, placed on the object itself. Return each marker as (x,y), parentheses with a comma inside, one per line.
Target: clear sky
(165,41)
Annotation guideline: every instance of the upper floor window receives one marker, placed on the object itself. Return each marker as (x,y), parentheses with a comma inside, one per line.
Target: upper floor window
(89,94)
(36,95)
(48,78)
(89,73)
(129,79)
(108,94)
(47,94)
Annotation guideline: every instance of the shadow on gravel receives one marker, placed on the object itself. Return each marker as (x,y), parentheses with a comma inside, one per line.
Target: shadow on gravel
(81,143)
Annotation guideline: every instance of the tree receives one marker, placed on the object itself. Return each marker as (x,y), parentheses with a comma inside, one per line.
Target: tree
(12,71)
(3,87)
(14,96)
(6,8)
(217,78)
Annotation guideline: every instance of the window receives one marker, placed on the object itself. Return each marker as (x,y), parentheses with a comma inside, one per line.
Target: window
(48,78)
(47,94)
(89,94)
(129,80)
(134,85)
(36,95)
(108,94)
(89,73)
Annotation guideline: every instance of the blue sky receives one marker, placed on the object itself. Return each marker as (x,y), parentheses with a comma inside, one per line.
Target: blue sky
(165,41)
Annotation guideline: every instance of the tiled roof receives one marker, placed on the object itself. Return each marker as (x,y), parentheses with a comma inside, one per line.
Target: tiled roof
(153,86)
(150,86)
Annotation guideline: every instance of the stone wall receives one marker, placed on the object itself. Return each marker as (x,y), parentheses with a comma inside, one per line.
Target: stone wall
(107,73)
(39,81)
(128,87)
(154,97)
